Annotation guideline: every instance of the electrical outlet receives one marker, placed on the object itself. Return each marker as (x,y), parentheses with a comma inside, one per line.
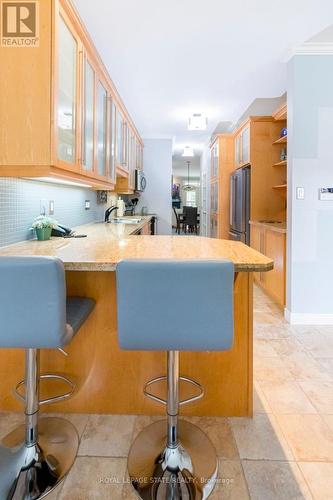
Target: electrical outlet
(51,207)
(42,207)
(87,204)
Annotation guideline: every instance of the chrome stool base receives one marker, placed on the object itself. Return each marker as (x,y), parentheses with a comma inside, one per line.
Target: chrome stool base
(158,472)
(31,472)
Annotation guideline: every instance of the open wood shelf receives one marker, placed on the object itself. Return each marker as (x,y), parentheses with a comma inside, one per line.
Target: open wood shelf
(281,113)
(280,164)
(281,140)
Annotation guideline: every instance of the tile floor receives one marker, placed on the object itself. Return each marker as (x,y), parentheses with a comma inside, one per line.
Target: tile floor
(284,453)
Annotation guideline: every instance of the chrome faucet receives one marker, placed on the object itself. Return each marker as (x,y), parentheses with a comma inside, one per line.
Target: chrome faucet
(108,213)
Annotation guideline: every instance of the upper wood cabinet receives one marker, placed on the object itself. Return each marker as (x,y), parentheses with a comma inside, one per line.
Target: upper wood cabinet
(67,98)
(242,146)
(222,164)
(88,117)
(67,119)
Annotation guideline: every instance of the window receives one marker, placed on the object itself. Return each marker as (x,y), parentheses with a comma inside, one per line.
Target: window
(191,198)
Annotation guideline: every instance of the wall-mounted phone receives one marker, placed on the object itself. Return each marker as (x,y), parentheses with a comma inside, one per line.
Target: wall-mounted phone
(65,232)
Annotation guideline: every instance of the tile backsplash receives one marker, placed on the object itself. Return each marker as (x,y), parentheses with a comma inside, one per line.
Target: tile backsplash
(20,202)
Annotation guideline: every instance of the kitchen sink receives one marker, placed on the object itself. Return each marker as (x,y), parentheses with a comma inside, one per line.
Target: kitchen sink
(126,220)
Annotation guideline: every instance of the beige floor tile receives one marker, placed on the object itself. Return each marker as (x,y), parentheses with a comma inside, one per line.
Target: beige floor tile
(327,365)
(303,367)
(268,332)
(9,421)
(329,421)
(286,397)
(269,480)
(267,318)
(260,438)
(107,436)
(128,492)
(260,403)
(286,346)
(79,420)
(220,434)
(230,484)
(317,343)
(319,477)
(320,394)
(95,478)
(309,437)
(142,421)
(263,348)
(273,369)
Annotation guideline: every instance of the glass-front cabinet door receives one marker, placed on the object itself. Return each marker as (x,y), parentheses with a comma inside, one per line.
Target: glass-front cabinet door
(67,94)
(101,120)
(88,120)
(132,161)
(112,141)
(120,140)
(246,145)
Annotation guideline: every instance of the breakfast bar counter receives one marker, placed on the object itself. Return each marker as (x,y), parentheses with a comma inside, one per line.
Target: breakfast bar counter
(110,380)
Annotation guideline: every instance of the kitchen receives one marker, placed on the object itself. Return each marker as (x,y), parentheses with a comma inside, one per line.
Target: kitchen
(85,196)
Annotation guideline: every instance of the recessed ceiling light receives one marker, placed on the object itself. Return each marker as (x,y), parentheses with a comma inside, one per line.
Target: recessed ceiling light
(188,151)
(197,122)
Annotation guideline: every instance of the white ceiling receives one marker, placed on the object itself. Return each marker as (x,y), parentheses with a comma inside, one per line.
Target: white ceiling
(170,59)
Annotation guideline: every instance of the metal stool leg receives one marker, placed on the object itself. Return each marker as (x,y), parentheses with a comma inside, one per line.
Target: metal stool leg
(35,457)
(174,459)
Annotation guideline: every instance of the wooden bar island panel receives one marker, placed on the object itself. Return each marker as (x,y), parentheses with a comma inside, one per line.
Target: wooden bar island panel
(110,380)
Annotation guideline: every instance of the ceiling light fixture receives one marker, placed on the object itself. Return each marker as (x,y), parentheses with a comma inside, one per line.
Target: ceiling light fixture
(188,151)
(188,186)
(197,122)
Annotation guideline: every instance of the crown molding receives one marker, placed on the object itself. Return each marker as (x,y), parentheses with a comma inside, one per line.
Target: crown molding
(309,49)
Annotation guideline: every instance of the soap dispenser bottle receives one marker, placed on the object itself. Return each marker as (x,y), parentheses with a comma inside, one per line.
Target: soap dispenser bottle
(121,207)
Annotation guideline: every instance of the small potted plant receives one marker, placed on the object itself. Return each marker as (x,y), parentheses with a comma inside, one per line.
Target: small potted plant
(43,226)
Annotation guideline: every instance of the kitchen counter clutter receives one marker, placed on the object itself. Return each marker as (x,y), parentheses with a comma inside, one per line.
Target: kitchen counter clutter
(110,380)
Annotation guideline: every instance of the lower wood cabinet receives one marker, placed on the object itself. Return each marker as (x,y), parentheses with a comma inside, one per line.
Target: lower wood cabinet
(272,244)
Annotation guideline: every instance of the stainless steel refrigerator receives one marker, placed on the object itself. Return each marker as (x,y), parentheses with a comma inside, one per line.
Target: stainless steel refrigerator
(240,192)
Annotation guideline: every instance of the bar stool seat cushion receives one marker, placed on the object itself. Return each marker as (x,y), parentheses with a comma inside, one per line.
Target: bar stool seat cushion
(170,305)
(77,311)
(33,312)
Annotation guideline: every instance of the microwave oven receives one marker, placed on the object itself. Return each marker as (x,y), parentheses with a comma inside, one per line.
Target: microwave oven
(140,180)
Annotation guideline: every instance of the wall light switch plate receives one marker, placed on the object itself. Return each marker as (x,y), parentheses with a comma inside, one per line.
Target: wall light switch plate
(51,207)
(326,194)
(87,204)
(300,193)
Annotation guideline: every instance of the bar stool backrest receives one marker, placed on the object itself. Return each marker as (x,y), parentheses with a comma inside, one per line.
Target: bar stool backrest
(166,305)
(32,302)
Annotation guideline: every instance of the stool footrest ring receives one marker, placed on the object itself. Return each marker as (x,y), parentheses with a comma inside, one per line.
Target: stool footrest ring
(53,399)
(181,403)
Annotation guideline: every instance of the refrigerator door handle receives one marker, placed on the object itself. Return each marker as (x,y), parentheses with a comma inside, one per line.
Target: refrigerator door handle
(234,219)
(231,209)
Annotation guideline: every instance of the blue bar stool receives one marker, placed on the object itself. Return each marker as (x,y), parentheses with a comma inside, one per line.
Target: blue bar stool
(166,305)
(34,314)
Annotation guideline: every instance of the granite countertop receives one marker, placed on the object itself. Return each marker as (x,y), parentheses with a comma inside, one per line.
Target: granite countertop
(107,244)
(279,227)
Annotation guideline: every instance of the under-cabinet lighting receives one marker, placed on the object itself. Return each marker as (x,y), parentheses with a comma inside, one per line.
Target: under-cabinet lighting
(53,180)
(197,122)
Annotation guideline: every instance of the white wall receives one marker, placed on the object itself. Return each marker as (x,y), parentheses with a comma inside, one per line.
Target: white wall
(157,161)
(310,165)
